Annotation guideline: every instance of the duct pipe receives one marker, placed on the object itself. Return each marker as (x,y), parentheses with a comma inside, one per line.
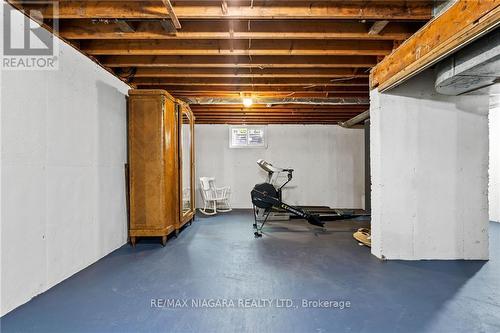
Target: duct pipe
(280,100)
(355,120)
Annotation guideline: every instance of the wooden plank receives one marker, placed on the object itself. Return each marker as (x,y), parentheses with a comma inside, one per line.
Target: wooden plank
(271,29)
(171,13)
(125,26)
(290,116)
(251,72)
(255,107)
(244,121)
(279,108)
(272,112)
(300,82)
(282,109)
(240,61)
(279,114)
(311,115)
(355,10)
(224,7)
(275,94)
(377,27)
(236,47)
(168,28)
(460,24)
(197,89)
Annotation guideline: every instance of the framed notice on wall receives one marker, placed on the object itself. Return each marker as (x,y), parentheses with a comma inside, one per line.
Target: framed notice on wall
(247,137)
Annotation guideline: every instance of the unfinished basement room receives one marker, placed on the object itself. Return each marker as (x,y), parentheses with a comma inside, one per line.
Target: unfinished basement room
(250,166)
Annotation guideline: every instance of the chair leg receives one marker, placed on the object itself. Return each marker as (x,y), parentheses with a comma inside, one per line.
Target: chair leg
(227,206)
(204,210)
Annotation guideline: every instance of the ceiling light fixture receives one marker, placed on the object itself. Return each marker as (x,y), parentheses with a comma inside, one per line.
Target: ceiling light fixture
(247,102)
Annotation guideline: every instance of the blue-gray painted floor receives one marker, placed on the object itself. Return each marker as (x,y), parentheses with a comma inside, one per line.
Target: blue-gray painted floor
(218,258)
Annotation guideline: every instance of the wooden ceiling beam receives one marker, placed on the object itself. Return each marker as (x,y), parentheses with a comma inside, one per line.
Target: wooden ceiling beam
(271,29)
(290,90)
(280,110)
(236,47)
(228,94)
(276,106)
(240,61)
(460,24)
(276,114)
(283,112)
(302,82)
(356,10)
(250,72)
(269,122)
(276,117)
(271,111)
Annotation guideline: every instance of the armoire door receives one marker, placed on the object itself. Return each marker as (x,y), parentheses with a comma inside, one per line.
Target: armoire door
(186,148)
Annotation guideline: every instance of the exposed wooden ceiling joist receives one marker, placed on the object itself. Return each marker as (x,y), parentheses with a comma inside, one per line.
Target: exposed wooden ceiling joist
(265,122)
(236,47)
(457,26)
(356,10)
(279,49)
(257,89)
(276,107)
(250,72)
(212,29)
(240,61)
(299,82)
(285,113)
(272,94)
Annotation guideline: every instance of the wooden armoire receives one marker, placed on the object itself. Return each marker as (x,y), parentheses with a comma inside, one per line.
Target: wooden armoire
(160,164)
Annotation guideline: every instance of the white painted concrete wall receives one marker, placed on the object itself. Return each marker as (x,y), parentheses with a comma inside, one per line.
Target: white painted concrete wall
(63,136)
(429,160)
(494,173)
(328,163)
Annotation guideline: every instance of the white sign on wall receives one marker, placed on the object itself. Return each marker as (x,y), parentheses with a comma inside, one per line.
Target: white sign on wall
(247,137)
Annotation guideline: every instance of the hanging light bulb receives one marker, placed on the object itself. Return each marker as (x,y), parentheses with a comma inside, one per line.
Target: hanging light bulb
(247,102)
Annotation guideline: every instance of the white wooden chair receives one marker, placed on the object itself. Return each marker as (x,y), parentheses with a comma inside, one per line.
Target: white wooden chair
(214,198)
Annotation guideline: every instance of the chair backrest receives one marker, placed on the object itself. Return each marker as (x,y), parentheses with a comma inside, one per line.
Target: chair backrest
(207,188)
